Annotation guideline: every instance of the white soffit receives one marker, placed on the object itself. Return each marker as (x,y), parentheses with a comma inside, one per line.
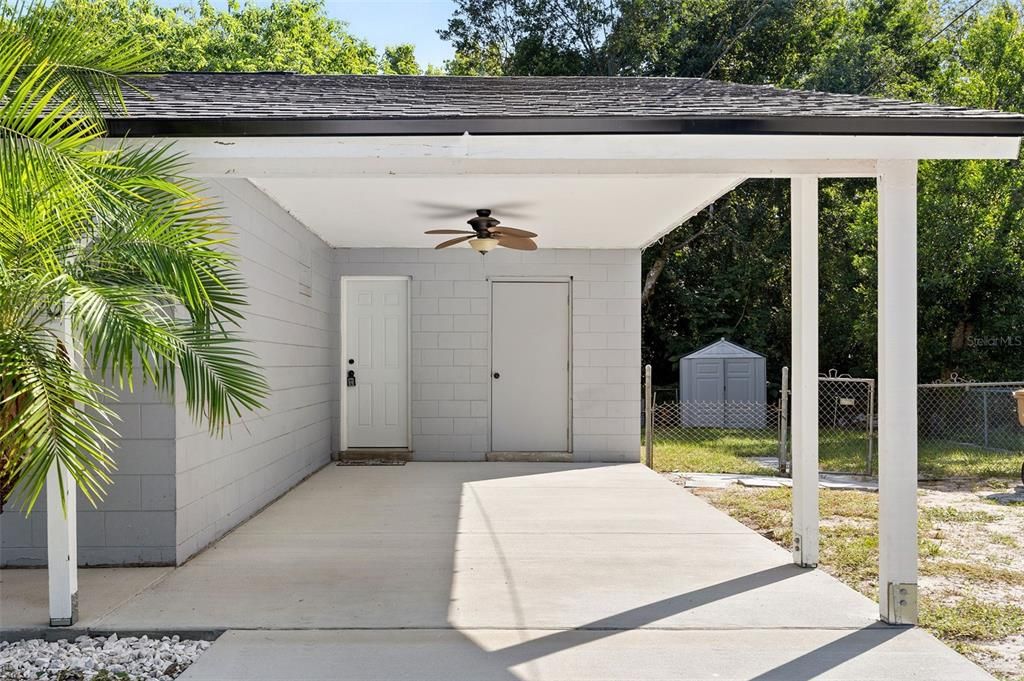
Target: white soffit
(567,211)
(574,211)
(583,191)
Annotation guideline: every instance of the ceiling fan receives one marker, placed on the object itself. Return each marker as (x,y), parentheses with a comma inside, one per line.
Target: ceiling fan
(487,233)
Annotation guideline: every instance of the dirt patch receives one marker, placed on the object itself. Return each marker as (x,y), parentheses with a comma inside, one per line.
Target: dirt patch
(971,544)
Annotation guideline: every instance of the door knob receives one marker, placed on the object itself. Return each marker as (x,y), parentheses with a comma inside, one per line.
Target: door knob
(497,375)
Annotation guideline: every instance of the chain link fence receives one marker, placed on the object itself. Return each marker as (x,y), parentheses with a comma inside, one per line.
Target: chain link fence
(965,429)
(969,429)
(741,437)
(713,436)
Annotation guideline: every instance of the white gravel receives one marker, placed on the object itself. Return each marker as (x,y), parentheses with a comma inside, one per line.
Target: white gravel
(100,658)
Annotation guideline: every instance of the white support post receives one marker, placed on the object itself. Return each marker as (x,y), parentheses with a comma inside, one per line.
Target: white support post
(804,417)
(897,390)
(62,534)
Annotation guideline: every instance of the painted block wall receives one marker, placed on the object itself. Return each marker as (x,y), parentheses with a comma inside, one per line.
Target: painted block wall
(292,326)
(134,524)
(450,343)
(178,489)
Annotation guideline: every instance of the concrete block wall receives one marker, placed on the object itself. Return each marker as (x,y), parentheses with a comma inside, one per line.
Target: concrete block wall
(134,523)
(178,489)
(292,326)
(450,343)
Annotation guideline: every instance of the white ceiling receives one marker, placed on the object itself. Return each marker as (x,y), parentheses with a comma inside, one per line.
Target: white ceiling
(567,211)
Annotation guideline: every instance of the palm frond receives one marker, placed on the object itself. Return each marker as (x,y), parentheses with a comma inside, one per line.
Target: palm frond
(114,239)
(60,420)
(91,71)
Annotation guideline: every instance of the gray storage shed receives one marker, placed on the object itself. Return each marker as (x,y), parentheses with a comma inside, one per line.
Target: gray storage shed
(723,386)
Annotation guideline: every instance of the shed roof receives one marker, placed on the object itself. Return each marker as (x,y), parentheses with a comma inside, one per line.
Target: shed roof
(722,349)
(286,103)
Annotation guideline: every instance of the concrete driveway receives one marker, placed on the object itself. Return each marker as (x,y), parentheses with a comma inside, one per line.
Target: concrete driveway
(518,571)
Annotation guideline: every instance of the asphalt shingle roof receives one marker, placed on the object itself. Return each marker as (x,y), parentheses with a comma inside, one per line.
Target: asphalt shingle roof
(261,103)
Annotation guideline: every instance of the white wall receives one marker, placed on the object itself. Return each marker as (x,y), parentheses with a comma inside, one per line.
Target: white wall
(451,345)
(292,325)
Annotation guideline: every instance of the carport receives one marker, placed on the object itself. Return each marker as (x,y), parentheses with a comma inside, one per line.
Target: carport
(607,163)
(483,571)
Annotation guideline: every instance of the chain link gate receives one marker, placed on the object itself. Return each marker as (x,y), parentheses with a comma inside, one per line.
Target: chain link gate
(846,423)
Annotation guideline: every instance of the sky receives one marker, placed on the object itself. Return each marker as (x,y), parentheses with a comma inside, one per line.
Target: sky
(387,22)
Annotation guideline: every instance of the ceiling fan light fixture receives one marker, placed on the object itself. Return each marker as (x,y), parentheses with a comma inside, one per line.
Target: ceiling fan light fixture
(483,245)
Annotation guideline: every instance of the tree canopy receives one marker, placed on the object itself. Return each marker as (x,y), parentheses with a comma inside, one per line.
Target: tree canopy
(285,35)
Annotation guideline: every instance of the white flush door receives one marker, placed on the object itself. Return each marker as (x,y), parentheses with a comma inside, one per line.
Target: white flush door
(376,353)
(530,366)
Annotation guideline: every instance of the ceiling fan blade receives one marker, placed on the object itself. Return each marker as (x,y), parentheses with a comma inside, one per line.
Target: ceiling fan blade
(517,243)
(511,209)
(456,240)
(449,231)
(437,210)
(512,231)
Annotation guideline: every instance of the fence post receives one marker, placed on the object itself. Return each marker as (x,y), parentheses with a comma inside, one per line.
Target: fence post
(648,419)
(784,421)
(984,415)
(871,427)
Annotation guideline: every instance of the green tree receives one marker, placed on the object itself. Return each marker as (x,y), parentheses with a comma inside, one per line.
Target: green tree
(285,35)
(972,217)
(476,60)
(399,60)
(530,37)
(112,241)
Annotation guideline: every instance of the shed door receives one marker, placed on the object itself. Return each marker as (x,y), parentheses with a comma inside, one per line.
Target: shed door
(376,350)
(529,366)
(708,383)
(707,380)
(739,380)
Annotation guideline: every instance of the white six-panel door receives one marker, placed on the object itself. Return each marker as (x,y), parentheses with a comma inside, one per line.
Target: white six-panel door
(530,366)
(376,349)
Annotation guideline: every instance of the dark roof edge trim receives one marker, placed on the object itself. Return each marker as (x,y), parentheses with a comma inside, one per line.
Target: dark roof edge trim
(579,125)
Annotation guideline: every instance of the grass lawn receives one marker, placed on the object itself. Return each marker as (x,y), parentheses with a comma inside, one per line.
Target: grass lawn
(972,566)
(734,451)
(716,450)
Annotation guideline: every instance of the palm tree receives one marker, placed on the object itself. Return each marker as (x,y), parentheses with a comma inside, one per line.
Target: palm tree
(110,243)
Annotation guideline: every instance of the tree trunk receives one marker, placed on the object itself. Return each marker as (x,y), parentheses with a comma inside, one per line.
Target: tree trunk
(652,276)
(672,241)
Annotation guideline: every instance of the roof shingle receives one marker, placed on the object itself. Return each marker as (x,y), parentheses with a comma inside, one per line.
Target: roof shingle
(219,102)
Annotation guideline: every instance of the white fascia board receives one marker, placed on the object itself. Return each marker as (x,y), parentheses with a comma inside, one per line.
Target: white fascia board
(749,155)
(605,147)
(268,168)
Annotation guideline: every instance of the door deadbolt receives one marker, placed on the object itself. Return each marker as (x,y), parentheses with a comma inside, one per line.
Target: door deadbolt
(497,375)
